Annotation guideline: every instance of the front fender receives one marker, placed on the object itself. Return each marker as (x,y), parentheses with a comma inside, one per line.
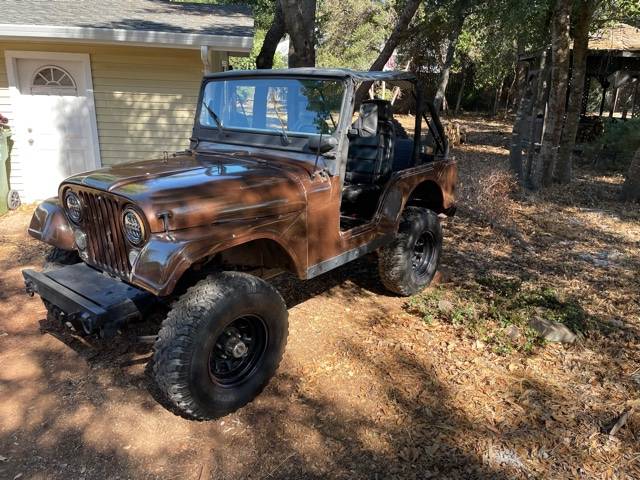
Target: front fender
(50,225)
(166,257)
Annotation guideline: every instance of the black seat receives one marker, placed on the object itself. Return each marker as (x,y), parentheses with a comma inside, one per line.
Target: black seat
(370,159)
(371,152)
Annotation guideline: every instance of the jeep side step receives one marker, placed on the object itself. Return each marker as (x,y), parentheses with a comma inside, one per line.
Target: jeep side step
(89,298)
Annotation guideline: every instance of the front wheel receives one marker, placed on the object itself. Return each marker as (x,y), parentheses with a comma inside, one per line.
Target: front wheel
(410,262)
(220,345)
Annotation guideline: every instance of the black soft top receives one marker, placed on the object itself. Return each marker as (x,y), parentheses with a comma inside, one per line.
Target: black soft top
(358,76)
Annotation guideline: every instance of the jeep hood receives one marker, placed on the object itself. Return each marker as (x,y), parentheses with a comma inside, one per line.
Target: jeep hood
(202,189)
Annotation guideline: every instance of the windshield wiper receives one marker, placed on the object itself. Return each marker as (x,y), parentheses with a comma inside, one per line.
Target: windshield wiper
(285,137)
(215,117)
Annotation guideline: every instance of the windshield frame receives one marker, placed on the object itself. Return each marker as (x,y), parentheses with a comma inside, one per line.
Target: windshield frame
(268,138)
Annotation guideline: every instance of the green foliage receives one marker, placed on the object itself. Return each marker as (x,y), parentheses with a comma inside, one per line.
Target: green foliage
(352,32)
(497,31)
(616,146)
(249,63)
(493,307)
(612,11)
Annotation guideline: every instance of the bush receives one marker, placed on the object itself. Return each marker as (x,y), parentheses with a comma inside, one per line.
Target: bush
(614,149)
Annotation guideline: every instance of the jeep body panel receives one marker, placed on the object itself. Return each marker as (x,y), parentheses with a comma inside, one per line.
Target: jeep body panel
(224,193)
(297,210)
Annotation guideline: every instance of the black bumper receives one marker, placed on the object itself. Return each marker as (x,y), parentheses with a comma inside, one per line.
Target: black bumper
(89,299)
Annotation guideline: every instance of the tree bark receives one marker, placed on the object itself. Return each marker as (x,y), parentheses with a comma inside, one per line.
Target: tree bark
(496,101)
(557,93)
(533,166)
(272,38)
(410,9)
(460,92)
(517,135)
(631,187)
(456,29)
(580,49)
(300,21)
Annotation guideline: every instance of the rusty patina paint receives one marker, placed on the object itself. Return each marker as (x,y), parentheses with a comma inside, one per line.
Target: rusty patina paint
(217,201)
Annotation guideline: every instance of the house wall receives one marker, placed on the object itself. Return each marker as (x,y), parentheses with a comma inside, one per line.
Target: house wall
(145,98)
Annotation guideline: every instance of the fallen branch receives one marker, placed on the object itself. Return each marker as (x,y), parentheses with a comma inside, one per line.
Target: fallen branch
(620,423)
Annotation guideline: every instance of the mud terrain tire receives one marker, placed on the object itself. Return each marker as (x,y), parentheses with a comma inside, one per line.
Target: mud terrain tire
(57,258)
(224,320)
(410,262)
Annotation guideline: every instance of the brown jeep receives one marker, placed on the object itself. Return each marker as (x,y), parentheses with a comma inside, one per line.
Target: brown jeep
(285,173)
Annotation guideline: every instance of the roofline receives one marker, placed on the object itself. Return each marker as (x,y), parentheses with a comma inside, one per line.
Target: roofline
(145,38)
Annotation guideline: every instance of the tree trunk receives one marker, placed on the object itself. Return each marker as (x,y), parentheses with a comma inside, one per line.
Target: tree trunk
(460,92)
(631,187)
(496,101)
(515,153)
(300,21)
(458,22)
(533,167)
(518,86)
(580,50)
(557,93)
(410,9)
(276,31)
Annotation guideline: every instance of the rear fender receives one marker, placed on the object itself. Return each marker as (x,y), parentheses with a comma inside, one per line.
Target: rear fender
(423,185)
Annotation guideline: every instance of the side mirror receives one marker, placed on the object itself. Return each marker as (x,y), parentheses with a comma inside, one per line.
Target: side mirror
(322,143)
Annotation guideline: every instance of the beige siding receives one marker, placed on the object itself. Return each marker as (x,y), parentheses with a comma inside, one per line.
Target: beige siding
(145,97)
(6,109)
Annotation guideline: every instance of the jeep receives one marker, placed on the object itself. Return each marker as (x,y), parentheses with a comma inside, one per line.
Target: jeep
(296,170)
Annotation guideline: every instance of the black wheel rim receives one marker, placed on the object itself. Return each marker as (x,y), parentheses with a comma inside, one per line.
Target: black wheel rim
(424,252)
(238,351)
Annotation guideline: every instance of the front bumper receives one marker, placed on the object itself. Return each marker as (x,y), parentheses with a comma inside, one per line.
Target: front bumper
(90,300)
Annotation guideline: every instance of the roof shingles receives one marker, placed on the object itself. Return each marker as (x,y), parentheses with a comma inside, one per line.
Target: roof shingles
(140,15)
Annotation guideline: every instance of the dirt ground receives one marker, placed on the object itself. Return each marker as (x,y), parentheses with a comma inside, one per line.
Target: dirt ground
(369,387)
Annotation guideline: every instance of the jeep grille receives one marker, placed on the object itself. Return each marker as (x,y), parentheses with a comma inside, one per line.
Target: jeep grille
(106,245)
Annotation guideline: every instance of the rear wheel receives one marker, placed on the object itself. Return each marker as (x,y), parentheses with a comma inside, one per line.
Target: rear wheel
(220,345)
(410,262)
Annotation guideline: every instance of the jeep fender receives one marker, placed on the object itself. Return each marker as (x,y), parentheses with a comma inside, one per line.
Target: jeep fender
(166,257)
(49,224)
(419,186)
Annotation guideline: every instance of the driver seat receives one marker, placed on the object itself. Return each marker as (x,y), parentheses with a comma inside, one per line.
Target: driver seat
(370,158)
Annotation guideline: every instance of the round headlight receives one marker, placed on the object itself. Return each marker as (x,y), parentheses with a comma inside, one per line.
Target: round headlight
(133,227)
(73,206)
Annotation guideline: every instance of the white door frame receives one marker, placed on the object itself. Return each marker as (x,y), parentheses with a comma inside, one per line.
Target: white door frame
(11,60)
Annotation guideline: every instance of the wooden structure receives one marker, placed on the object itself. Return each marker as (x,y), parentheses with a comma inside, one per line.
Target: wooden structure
(613,65)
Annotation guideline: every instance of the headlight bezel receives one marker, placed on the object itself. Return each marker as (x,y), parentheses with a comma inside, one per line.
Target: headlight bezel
(68,210)
(136,241)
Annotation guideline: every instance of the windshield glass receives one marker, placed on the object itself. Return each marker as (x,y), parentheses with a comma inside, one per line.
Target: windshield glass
(291,105)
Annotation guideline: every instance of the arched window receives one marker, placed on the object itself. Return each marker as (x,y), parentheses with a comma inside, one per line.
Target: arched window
(52,80)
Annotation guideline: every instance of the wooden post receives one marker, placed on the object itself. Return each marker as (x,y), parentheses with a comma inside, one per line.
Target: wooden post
(585,96)
(626,97)
(614,103)
(604,94)
(634,102)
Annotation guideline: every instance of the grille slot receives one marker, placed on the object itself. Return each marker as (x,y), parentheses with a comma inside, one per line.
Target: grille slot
(106,246)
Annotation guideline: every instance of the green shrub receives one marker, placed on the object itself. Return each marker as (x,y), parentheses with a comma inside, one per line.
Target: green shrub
(614,149)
